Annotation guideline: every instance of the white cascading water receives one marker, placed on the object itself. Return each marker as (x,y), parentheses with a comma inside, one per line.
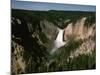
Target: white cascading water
(58,42)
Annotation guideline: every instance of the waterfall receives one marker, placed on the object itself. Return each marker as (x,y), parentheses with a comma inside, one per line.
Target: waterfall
(58,41)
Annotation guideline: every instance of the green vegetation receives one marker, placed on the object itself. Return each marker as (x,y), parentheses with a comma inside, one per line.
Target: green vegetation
(37,38)
(57,17)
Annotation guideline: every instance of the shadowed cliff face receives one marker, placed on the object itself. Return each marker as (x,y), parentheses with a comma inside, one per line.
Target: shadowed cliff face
(42,41)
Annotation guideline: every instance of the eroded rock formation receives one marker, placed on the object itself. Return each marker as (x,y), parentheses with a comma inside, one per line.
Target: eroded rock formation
(33,38)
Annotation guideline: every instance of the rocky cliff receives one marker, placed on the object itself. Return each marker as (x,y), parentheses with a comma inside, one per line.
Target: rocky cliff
(33,34)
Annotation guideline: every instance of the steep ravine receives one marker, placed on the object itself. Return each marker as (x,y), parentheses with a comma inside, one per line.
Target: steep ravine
(35,42)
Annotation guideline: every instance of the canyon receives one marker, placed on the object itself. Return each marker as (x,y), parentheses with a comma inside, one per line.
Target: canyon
(39,37)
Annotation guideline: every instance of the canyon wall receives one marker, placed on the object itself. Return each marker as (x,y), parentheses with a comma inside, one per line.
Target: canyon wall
(33,37)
